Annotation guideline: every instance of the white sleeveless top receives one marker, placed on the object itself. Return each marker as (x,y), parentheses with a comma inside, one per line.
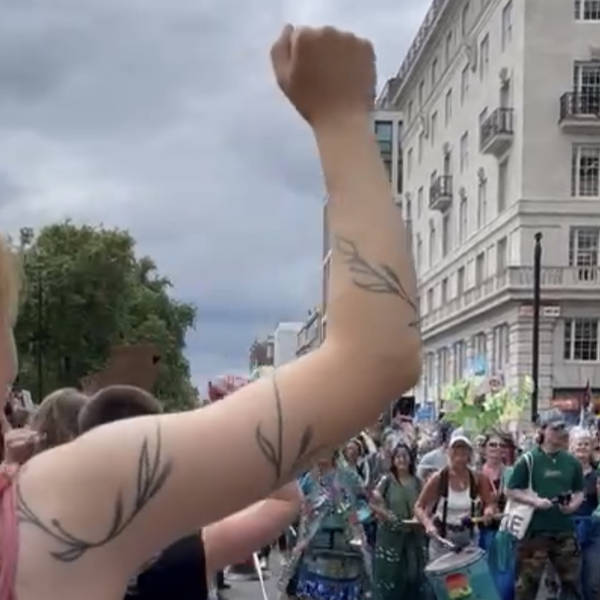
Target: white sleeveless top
(459,506)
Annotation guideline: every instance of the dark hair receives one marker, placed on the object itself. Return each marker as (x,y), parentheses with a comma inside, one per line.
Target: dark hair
(117,402)
(56,418)
(411,458)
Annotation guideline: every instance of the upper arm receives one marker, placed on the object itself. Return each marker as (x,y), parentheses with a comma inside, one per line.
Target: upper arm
(429,493)
(519,478)
(131,488)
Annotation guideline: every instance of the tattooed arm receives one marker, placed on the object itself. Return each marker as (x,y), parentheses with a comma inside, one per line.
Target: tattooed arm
(108,501)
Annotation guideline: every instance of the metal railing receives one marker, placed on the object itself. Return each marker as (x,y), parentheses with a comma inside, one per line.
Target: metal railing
(577,104)
(441,188)
(520,279)
(500,122)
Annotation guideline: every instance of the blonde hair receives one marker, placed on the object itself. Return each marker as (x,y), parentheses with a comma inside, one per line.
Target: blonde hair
(10,283)
(57,417)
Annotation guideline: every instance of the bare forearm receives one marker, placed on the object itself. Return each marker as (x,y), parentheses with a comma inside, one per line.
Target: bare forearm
(524,496)
(372,285)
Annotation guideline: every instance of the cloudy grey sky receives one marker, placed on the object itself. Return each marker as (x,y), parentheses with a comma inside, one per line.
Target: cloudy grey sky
(161,116)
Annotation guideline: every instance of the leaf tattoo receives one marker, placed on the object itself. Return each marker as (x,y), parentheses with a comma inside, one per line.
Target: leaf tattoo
(273,451)
(152,473)
(380,279)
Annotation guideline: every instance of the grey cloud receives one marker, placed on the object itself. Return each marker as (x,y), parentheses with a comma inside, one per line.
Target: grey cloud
(163,117)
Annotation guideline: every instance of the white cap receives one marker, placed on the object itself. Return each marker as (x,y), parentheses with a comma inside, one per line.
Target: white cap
(460,438)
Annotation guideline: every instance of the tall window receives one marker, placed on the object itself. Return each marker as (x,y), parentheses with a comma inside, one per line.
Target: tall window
(479,269)
(501,255)
(429,376)
(500,354)
(464,19)
(584,243)
(480,346)
(464,84)
(430,304)
(419,251)
(431,244)
(484,57)
(464,152)
(434,72)
(502,185)
(448,107)
(409,163)
(581,339)
(460,282)
(446,241)
(449,43)
(420,146)
(421,93)
(443,368)
(409,112)
(434,120)
(507,25)
(587,10)
(482,203)
(462,219)
(460,360)
(585,170)
(384,132)
(586,81)
(444,290)
(420,195)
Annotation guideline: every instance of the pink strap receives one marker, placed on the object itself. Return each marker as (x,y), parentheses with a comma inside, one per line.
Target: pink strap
(8,532)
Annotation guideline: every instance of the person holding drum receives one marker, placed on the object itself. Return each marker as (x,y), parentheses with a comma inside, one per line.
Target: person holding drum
(448,503)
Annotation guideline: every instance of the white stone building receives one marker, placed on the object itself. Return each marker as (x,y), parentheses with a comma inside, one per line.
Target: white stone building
(501,106)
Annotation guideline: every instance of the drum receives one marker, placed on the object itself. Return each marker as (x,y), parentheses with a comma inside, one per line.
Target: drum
(462,575)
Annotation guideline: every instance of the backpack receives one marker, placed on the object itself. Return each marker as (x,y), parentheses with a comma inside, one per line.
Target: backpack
(444,484)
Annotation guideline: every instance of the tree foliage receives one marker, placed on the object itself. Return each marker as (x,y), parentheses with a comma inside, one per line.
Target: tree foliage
(86,291)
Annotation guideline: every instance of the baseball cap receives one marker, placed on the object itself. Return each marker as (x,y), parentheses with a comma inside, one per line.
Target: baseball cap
(553,419)
(460,438)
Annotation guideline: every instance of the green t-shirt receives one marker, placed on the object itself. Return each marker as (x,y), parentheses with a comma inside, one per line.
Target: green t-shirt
(553,474)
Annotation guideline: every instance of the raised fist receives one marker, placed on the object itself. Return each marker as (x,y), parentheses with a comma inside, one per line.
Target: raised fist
(326,74)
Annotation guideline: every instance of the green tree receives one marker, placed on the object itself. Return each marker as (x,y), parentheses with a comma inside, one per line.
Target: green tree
(85,291)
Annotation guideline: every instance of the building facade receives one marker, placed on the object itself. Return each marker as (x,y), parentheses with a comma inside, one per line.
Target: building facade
(387,126)
(501,106)
(262,353)
(310,336)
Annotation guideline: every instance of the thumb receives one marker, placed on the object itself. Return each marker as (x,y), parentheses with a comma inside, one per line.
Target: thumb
(281,51)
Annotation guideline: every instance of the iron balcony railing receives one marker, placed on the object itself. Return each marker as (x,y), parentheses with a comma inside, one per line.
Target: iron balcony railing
(500,122)
(578,104)
(441,188)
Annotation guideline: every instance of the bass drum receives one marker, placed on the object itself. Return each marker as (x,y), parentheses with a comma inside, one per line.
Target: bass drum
(462,575)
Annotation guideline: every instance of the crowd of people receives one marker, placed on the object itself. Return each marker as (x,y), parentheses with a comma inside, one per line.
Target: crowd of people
(414,507)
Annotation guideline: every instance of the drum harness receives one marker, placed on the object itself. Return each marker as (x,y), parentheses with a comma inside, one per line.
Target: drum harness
(444,484)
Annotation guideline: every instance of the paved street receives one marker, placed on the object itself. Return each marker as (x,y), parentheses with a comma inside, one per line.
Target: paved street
(250,590)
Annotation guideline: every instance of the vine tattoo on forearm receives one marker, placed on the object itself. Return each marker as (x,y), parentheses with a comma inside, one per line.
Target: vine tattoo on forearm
(273,450)
(380,279)
(152,473)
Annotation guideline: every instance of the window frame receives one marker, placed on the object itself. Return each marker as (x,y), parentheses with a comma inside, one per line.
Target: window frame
(507,25)
(570,340)
(576,171)
(448,107)
(484,57)
(580,11)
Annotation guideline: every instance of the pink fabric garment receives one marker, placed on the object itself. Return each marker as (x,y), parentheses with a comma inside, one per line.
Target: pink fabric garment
(8,532)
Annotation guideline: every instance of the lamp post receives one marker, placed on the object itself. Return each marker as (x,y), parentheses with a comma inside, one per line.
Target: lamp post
(537,268)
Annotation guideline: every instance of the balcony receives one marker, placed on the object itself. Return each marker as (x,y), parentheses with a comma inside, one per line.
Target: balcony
(520,281)
(580,112)
(497,132)
(440,193)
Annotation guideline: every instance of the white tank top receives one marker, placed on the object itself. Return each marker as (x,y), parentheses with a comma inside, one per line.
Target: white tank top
(459,506)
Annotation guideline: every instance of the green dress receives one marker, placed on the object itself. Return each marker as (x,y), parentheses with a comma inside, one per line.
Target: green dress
(399,561)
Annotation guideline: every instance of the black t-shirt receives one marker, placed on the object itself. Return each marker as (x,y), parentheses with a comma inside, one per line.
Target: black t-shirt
(179,572)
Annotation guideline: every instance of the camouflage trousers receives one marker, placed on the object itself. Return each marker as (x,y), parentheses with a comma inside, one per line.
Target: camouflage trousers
(533,554)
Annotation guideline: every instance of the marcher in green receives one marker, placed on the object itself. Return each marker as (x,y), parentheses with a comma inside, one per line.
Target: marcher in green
(399,561)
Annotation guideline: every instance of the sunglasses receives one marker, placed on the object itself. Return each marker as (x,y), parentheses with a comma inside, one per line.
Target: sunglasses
(496,445)
(558,427)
